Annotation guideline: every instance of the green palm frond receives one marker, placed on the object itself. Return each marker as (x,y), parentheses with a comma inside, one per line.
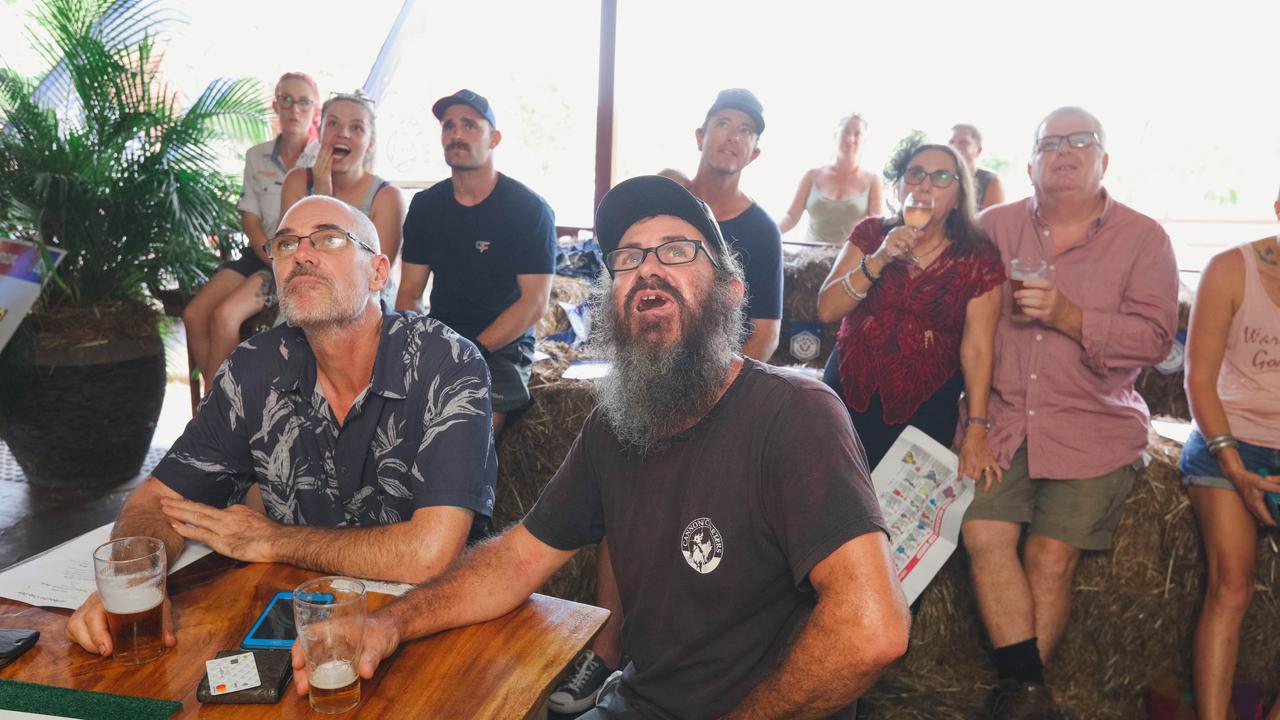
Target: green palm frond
(120,176)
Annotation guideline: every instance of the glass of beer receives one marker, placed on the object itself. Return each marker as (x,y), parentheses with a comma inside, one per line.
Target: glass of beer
(1022,269)
(329,613)
(130,573)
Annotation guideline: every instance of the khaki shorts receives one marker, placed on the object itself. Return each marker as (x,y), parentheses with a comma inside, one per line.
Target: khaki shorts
(1081,513)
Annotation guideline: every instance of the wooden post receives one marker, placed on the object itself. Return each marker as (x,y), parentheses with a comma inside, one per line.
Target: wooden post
(605,121)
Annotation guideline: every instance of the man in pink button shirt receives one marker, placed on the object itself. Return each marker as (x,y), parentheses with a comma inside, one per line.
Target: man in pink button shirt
(1066,425)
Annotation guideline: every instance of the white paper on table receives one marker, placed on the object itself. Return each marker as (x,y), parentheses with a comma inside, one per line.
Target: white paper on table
(1178,431)
(386,588)
(18,715)
(63,577)
(923,501)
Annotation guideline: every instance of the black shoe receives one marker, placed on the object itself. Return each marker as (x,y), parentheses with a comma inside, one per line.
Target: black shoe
(1013,700)
(578,691)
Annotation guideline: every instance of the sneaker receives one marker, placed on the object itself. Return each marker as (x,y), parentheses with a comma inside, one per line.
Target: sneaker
(578,691)
(1013,700)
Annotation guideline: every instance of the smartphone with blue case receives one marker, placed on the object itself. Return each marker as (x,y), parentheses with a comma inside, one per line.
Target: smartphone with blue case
(275,629)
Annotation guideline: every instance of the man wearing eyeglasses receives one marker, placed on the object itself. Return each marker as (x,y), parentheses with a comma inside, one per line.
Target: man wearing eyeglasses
(367,430)
(751,555)
(1065,423)
(487,243)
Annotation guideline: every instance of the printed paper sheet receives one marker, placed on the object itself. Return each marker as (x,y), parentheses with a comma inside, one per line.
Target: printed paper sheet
(923,501)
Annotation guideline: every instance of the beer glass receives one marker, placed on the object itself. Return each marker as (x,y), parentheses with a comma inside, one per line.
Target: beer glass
(1022,269)
(130,573)
(329,613)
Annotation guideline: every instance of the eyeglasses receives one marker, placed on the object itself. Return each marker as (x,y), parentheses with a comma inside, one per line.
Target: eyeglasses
(287,101)
(938,178)
(327,241)
(672,252)
(1083,139)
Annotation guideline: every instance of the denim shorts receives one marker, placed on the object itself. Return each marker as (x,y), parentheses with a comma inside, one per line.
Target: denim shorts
(1199,467)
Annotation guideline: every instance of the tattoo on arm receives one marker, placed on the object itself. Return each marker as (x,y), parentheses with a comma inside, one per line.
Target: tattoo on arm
(266,288)
(1268,255)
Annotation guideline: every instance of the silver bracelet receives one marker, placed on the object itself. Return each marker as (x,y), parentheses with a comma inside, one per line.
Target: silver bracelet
(848,288)
(1218,443)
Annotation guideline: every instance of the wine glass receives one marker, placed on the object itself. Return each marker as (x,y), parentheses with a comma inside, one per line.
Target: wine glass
(916,211)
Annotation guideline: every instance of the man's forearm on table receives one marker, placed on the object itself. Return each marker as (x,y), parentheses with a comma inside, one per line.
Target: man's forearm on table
(399,552)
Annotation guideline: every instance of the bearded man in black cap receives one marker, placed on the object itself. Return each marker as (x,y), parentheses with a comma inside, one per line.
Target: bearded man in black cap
(751,556)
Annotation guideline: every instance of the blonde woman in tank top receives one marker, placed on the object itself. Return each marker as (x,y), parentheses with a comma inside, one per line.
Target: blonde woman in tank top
(1232,459)
(838,195)
(343,169)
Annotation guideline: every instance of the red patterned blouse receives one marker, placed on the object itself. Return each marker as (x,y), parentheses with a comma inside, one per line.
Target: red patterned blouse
(904,339)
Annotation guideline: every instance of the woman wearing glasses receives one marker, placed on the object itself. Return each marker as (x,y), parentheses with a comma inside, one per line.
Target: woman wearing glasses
(243,287)
(918,310)
(343,169)
(838,195)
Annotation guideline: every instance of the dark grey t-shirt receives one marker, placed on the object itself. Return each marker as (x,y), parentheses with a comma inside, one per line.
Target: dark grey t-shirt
(713,535)
(418,436)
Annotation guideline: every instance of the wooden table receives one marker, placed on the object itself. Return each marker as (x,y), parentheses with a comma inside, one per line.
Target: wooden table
(501,669)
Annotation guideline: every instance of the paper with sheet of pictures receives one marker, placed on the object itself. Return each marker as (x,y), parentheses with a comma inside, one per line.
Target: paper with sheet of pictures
(923,500)
(22,273)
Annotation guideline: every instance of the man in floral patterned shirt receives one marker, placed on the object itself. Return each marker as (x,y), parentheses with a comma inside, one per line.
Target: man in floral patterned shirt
(367,430)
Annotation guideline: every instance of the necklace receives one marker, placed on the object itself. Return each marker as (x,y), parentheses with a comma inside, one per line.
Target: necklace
(935,249)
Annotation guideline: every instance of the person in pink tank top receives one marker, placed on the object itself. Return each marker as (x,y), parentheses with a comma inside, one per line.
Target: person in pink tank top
(1231,462)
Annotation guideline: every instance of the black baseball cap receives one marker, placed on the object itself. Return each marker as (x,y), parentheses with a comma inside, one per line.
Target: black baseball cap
(646,196)
(465,97)
(743,100)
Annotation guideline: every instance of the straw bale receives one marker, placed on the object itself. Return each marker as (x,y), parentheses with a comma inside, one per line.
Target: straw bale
(803,270)
(1133,616)
(531,449)
(571,290)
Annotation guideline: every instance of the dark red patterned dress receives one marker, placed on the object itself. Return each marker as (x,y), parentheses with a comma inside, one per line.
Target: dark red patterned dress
(897,356)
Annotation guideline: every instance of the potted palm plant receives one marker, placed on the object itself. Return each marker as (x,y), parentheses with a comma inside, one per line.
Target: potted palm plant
(101,160)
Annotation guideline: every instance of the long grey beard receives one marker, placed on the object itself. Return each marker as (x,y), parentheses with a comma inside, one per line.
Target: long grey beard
(653,391)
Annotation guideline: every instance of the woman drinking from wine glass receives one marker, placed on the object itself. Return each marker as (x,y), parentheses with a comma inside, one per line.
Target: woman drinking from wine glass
(918,295)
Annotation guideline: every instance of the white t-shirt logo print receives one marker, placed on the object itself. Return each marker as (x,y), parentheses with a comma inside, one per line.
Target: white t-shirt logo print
(702,545)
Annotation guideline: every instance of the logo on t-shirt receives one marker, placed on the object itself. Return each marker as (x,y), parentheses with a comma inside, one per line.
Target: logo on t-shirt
(702,545)
(482,245)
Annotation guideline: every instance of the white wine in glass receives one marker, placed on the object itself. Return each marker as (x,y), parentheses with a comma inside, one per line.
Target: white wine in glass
(916,211)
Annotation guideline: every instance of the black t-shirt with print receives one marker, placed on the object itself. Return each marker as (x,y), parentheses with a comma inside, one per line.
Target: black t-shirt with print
(476,252)
(712,535)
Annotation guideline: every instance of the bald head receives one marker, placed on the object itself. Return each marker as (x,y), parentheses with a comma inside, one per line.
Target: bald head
(1072,111)
(321,209)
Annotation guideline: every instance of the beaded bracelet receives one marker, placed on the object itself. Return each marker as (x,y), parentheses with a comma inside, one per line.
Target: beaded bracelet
(979,421)
(863,267)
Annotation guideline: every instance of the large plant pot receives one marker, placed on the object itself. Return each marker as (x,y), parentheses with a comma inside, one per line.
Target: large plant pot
(90,410)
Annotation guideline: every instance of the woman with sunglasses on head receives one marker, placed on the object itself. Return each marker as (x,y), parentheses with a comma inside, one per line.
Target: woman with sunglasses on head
(918,310)
(838,195)
(1231,462)
(241,288)
(343,169)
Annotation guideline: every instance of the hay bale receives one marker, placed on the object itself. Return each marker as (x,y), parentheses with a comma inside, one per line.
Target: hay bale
(564,289)
(1133,616)
(803,270)
(531,450)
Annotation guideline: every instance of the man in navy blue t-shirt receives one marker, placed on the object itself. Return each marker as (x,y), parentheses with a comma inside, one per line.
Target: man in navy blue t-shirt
(490,243)
(729,141)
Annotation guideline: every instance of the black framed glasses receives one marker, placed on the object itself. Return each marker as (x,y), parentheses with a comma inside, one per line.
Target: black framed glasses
(327,241)
(287,101)
(1077,140)
(672,252)
(938,178)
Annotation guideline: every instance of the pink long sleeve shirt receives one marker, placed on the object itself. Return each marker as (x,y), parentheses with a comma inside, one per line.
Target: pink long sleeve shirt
(1074,402)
